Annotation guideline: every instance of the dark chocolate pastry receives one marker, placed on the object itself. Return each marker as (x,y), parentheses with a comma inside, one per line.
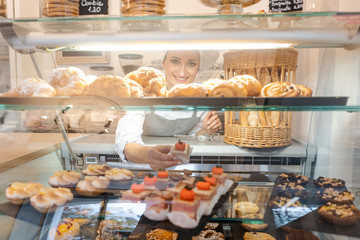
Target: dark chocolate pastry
(294,178)
(323,182)
(343,215)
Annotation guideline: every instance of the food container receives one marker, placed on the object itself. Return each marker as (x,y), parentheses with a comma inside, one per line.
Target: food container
(55,8)
(143,8)
(263,129)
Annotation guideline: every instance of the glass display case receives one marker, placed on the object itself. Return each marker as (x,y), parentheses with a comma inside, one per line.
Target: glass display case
(41,135)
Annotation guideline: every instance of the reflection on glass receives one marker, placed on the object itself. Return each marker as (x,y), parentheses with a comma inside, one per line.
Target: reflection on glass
(130,62)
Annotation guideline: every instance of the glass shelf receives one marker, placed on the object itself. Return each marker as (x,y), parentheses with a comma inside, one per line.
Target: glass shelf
(307,29)
(180,104)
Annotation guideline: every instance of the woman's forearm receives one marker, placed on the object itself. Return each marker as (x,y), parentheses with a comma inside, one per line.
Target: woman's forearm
(136,153)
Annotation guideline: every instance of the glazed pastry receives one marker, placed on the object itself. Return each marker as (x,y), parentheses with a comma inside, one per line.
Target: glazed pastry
(119,176)
(247,222)
(48,199)
(109,229)
(343,215)
(18,192)
(228,89)
(67,230)
(188,90)
(69,81)
(31,87)
(92,185)
(209,235)
(96,170)
(161,234)
(257,236)
(113,86)
(304,91)
(252,86)
(152,80)
(64,179)
(280,89)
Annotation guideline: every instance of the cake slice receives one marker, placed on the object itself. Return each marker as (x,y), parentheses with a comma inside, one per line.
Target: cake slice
(182,151)
(136,193)
(188,203)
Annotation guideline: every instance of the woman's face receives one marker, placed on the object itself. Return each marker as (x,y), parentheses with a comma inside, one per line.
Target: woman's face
(181,67)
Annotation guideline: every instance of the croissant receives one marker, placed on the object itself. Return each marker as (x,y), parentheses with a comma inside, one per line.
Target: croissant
(253,86)
(152,80)
(113,86)
(228,89)
(188,90)
(69,81)
(280,89)
(31,87)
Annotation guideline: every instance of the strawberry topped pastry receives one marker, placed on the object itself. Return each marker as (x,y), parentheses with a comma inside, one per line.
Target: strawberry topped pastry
(187,203)
(136,193)
(150,181)
(182,151)
(206,192)
(218,173)
(163,175)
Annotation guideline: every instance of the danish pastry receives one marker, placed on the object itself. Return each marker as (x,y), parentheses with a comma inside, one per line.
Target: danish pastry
(304,91)
(188,90)
(31,87)
(92,185)
(69,81)
(47,199)
(64,179)
(253,86)
(228,89)
(280,89)
(152,80)
(18,192)
(67,230)
(114,86)
(96,170)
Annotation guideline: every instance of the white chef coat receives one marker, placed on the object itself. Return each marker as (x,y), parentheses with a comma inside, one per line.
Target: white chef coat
(130,127)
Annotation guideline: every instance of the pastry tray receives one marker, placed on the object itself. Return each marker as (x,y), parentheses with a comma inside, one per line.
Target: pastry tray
(307,217)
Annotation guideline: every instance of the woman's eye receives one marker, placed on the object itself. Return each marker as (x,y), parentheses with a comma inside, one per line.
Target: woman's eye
(174,61)
(192,64)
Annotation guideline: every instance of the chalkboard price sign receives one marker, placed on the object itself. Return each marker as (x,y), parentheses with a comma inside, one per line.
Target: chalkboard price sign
(285,5)
(93,7)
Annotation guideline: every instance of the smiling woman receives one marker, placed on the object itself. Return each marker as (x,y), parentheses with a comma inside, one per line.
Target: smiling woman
(181,66)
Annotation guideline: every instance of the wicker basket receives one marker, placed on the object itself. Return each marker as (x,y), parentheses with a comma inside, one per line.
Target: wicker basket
(260,129)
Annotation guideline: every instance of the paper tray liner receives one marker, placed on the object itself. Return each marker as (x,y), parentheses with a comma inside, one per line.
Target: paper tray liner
(146,225)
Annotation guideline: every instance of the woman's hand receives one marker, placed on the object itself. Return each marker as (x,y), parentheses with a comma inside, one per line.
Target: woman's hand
(211,124)
(156,156)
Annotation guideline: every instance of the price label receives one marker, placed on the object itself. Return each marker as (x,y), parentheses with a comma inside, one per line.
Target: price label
(93,7)
(285,5)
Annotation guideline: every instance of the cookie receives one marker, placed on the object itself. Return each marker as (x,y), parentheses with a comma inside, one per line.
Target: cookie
(257,236)
(210,235)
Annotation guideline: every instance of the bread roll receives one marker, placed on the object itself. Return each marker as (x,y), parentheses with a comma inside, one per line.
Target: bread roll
(188,90)
(152,80)
(253,86)
(280,89)
(69,81)
(113,86)
(31,87)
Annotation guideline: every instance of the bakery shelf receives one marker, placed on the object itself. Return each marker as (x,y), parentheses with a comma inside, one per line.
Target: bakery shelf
(180,104)
(306,29)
